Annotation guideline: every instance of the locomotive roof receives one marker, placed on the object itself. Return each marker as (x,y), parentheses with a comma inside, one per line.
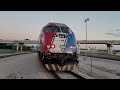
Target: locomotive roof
(56,24)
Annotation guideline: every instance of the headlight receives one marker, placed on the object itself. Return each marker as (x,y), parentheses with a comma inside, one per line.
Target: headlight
(72,47)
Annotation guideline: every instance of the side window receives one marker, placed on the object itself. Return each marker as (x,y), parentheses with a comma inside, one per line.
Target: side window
(48,29)
(70,31)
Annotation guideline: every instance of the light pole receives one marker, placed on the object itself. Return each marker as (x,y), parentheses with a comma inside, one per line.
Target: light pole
(86,35)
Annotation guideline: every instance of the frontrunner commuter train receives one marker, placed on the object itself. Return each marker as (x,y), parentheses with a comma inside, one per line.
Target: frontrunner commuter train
(57,41)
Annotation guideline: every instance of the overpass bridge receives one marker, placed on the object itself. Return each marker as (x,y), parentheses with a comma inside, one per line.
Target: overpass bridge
(109,43)
(113,42)
(19,42)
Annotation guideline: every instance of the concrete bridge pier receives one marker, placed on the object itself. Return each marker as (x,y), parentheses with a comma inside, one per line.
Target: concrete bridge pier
(21,47)
(109,48)
(78,45)
(17,47)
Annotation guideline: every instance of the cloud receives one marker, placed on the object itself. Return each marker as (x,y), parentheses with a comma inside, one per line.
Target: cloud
(117,29)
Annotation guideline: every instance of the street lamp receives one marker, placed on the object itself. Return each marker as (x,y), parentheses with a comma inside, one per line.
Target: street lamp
(86,35)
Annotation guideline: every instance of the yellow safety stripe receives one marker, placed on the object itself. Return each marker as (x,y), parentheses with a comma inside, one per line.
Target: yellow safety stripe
(53,67)
(47,66)
(64,67)
(74,66)
(59,67)
(69,67)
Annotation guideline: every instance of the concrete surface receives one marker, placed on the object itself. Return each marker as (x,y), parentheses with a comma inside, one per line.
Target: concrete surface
(27,66)
(12,54)
(101,68)
(3,51)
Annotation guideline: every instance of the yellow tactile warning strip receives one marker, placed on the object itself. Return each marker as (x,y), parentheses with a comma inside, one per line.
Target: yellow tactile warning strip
(56,67)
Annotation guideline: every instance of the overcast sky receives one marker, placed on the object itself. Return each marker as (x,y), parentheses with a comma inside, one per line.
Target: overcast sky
(27,24)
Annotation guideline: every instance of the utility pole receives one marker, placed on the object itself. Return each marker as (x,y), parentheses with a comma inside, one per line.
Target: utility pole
(86,35)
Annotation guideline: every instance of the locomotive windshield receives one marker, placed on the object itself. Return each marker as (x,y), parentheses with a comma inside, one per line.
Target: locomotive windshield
(57,29)
(52,29)
(64,29)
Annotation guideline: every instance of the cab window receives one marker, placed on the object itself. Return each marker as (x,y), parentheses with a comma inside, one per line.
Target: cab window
(52,29)
(64,29)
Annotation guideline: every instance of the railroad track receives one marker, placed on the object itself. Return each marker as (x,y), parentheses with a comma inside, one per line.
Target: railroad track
(66,75)
(64,72)
(55,75)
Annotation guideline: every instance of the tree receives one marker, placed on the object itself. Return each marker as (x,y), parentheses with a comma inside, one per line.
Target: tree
(3,45)
(7,46)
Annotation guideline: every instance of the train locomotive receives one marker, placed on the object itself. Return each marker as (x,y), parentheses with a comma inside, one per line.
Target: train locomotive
(57,41)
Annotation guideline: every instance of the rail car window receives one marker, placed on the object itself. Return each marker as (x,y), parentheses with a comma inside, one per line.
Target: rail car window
(52,29)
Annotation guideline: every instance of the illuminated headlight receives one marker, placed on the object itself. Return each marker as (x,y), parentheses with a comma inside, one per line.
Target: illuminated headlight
(52,46)
(72,47)
(48,46)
